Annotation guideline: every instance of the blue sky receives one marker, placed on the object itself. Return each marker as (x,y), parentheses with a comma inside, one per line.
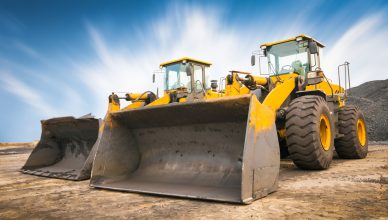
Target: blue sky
(60,58)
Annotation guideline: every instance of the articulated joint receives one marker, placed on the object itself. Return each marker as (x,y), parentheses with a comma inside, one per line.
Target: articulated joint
(146,97)
(114,103)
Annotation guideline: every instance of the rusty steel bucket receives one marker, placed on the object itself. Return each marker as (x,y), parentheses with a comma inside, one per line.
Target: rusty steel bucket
(65,149)
(223,149)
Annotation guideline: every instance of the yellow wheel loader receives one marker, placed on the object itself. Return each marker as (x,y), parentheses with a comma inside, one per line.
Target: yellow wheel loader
(194,141)
(201,141)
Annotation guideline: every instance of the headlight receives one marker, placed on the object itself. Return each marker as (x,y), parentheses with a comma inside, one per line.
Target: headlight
(312,75)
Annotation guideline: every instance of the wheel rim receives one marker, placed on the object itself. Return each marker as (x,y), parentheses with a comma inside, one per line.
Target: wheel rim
(324,132)
(361,133)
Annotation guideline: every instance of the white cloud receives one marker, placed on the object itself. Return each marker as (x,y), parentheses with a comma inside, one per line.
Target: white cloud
(26,49)
(26,93)
(193,32)
(201,33)
(41,90)
(364,46)
(114,71)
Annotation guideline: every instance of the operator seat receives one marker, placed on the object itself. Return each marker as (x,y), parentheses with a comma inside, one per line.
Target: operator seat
(298,67)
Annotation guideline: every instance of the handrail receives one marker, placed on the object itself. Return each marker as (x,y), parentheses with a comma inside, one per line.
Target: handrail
(347,77)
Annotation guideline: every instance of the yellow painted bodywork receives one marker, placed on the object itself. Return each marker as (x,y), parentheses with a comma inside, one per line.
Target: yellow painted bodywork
(240,72)
(281,92)
(184,59)
(329,90)
(259,80)
(113,106)
(278,79)
(162,101)
(280,86)
(137,96)
(324,86)
(292,39)
(135,105)
(261,116)
(210,94)
(183,100)
(234,88)
(284,85)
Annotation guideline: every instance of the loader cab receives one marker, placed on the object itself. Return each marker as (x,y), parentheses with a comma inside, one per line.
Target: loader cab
(185,75)
(298,55)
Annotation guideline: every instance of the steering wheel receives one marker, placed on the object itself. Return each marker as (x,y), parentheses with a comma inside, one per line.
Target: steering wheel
(285,66)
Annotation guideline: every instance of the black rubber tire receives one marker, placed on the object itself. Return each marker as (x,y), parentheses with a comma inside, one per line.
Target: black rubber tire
(349,146)
(303,133)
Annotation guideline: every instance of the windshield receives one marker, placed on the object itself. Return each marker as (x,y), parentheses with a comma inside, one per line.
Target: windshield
(176,77)
(288,57)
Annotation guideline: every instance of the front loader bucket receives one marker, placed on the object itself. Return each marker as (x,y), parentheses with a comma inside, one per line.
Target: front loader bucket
(222,149)
(65,149)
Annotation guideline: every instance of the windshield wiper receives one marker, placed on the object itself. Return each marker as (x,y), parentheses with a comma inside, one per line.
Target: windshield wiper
(276,73)
(273,68)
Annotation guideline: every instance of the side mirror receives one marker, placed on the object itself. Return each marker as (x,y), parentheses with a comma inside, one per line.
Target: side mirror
(253,60)
(313,47)
(189,70)
(153,78)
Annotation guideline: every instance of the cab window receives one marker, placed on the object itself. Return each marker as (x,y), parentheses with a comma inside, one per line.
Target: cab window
(198,80)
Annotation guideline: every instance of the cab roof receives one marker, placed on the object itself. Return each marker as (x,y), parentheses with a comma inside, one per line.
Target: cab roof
(185,59)
(305,37)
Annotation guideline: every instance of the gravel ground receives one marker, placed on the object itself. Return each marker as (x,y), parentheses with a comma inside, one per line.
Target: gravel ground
(372,98)
(350,189)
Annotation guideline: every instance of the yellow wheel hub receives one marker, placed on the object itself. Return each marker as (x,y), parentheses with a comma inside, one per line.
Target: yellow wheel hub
(325,132)
(361,132)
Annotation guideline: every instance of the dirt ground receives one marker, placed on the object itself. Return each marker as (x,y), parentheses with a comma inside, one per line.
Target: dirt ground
(350,189)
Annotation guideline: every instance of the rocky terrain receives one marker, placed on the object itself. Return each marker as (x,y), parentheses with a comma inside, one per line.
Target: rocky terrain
(372,98)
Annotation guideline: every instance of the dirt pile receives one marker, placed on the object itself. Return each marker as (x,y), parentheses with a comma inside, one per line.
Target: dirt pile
(372,98)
